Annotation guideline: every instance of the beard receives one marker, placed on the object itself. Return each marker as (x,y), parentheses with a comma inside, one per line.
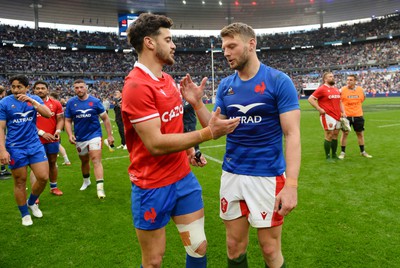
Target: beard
(164,57)
(331,83)
(241,62)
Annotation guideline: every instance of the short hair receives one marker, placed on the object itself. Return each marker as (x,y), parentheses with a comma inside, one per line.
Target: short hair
(78,81)
(54,95)
(353,75)
(40,82)
(238,28)
(324,75)
(146,24)
(2,89)
(23,79)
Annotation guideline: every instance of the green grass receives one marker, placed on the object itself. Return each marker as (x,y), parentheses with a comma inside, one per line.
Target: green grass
(347,215)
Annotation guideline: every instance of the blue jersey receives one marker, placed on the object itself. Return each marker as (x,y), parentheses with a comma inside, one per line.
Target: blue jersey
(20,120)
(85,115)
(255,147)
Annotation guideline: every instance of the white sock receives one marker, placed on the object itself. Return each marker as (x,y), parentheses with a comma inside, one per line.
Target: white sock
(100,186)
(86,183)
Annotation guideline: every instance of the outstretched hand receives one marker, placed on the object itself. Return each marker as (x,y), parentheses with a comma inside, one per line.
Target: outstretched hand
(220,127)
(191,92)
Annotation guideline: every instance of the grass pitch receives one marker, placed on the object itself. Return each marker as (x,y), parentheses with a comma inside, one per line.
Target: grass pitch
(347,216)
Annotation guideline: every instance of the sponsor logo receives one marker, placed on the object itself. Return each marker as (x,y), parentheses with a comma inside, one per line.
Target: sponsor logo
(244,110)
(83,113)
(224,205)
(334,97)
(24,117)
(175,112)
(24,114)
(249,119)
(260,88)
(263,214)
(353,97)
(150,215)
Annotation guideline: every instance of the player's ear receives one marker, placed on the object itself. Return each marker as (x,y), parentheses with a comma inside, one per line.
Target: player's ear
(148,42)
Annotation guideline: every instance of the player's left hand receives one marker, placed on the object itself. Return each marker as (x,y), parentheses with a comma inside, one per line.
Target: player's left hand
(192,92)
(286,200)
(194,161)
(110,140)
(49,137)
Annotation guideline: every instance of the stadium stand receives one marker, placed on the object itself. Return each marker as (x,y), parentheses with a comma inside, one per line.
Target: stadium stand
(370,49)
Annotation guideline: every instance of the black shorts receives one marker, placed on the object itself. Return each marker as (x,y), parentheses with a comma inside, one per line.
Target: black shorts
(357,123)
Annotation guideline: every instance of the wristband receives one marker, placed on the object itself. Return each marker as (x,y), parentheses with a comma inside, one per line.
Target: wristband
(205,134)
(40,132)
(35,104)
(196,108)
(58,131)
(291,182)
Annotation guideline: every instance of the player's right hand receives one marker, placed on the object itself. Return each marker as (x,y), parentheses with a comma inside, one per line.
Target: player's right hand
(220,127)
(4,157)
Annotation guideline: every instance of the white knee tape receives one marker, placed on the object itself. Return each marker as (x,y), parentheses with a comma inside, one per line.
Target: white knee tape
(192,236)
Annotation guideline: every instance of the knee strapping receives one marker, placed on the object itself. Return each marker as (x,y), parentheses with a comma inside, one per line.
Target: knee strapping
(192,236)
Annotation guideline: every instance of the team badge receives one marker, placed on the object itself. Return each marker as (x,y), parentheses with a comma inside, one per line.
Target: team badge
(150,215)
(224,205)
(230,91)
(260,88)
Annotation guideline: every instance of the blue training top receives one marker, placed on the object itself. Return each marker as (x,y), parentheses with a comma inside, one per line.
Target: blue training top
(255,147)
(20,117)
(85,115)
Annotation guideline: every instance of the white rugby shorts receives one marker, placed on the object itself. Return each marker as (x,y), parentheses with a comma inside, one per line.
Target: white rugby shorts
(250,196)
(83,147)
(329,123)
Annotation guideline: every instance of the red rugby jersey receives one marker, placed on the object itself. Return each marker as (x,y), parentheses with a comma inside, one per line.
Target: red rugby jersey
(146,97)
(49,124)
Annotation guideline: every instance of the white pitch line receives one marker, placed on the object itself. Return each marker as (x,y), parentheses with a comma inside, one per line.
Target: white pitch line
(116,157)
(206,156)
(392,125)
(213,159)
(213,146)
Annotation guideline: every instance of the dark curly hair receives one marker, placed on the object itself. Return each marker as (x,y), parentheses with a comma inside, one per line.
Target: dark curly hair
(146,25)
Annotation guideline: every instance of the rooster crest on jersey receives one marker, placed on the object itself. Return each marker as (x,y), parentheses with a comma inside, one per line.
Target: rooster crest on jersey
(260,88)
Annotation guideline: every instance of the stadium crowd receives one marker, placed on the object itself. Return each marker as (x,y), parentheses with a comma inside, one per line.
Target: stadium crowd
(105,70)
(385,25)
